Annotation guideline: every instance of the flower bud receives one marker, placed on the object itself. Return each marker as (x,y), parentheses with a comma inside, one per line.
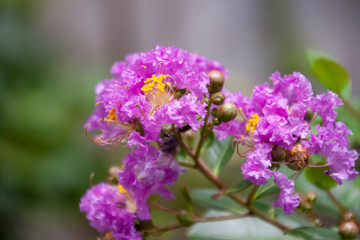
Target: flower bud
(311,197)
(179,93)
(114,171)
(185,218)
(306,207)
(309,114)
(278,153)
(348,230)
(216,121)
(349,216)
(213,112)
(206,100)
(226,112)
(218,98)
(217,80)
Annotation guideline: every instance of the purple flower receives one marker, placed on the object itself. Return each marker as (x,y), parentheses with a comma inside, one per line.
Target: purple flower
(147,172)
(276,116)
(160,86)
(105,209)
(286,200)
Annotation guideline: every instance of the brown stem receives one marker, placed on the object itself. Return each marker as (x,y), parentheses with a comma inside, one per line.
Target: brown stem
(220,218)
(163,229)
(163,208)
(350,108)
(336,202)
(188,165)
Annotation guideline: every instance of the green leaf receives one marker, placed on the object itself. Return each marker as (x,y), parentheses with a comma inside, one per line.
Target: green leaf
(223,203)
(316,176)
(271,187)
(328,72)
(246,228)
(242,185)
(220,154)
(182,156)
(315,233)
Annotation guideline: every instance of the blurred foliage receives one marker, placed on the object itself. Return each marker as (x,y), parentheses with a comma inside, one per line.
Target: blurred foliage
(46,158)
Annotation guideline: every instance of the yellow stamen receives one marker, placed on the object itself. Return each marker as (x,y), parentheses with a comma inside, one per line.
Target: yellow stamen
(111,116)
(121,189)
(251,124)
(155,83)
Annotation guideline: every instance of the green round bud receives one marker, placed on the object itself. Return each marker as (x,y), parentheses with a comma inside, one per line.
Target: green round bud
(206,100)
(311,197)
(309,115)
(217,80)
(185,218)
(348,230)
(227,112)
(213,112)
(216,121)
(218,98)
(306,207)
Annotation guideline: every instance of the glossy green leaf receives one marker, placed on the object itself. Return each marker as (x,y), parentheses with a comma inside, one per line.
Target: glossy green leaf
(271,187)
(223,203)
(328,72)
(246,228)
(315,233)
(316,176)
(242,185)
(220,154)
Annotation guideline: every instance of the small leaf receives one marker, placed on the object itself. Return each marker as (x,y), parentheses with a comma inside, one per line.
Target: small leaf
(246,228)
(328,72)
(220,154)
(203,198)
(315,233)
(242,185)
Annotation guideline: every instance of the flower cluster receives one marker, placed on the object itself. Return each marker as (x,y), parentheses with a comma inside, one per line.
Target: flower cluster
(275,126)
(149,91)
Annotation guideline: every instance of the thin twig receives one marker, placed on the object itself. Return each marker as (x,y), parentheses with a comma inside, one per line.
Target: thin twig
(251,196)
(336,202)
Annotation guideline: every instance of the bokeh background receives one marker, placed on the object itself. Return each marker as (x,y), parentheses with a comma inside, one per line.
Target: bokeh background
(53,52)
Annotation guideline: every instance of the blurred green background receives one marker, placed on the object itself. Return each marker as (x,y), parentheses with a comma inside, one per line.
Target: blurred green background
(52,53)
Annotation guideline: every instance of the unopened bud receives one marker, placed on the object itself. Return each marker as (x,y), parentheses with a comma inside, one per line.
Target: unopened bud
(348,230)
(213,112)
(309,115)
(179,93)
(217,80)
(278,153)
(349,216)
(311,197)
(206,100)
(227,112)
(218,98)
(306,207)
(185,218)
(216,121)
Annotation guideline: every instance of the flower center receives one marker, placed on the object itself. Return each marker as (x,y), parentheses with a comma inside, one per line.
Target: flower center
(157,91)
(111,116)
(251,124)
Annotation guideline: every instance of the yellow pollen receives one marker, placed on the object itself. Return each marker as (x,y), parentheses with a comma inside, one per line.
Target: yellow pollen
(155,83)
(121,189)
(242,137)
(251,124)
(111,116)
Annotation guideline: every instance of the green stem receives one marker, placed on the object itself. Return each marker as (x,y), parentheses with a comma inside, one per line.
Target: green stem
(251,196)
